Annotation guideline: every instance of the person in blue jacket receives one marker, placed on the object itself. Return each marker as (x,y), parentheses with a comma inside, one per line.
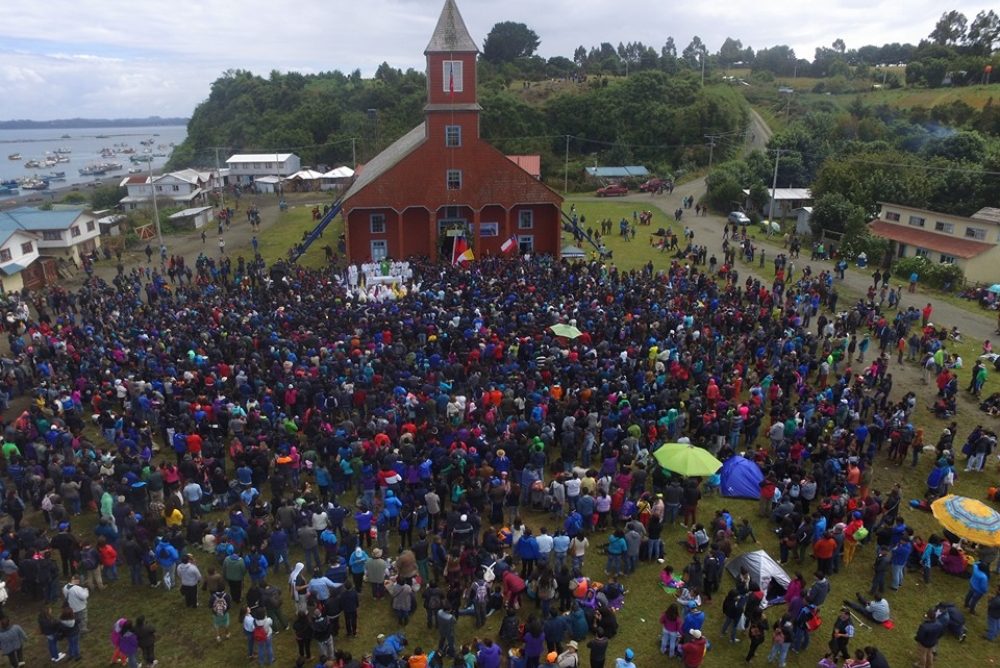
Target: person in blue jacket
(166,559)
(616,551)
(527,550)
(979,585)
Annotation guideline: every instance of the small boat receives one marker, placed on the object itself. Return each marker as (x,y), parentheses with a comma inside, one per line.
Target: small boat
(112,166)
(63,150)
(6,191)
(102,136)
(56,176)
(35,184)
(62,158)
(135,170)
(92,170)
(65,137)
(32,164)
(14,156)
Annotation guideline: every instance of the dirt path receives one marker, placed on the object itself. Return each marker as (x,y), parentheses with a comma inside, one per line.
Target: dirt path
(760,132)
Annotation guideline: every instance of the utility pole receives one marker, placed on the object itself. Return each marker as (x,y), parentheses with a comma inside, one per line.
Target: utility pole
(218,175)
(354,153)
(702,68)
(566,168)
(711,147)
(156,210)
(774,188)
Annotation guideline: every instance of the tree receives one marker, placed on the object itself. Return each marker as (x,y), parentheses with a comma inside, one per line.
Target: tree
(778,60)
(731,51)
(694,52)
(839,46)
(950,28)
(508,41)
(669,49)
(835,213)
(107,197)
(983,32)
(580,56)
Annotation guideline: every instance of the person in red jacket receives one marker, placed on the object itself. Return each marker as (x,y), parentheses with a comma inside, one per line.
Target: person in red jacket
(693,651)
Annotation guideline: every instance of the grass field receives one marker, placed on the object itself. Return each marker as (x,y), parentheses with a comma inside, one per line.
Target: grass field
(187,639)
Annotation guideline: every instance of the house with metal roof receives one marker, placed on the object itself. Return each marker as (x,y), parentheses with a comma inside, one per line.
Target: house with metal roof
(245,168)
(64,233)
(440,180)
(18,251)
(971,242)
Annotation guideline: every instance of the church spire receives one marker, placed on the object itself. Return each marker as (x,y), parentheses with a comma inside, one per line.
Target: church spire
(450,34)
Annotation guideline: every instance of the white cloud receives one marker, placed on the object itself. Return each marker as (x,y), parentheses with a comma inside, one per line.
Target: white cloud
(113,59)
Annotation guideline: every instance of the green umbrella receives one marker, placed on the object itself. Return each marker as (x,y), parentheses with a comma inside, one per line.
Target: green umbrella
(564,330)
(687,460)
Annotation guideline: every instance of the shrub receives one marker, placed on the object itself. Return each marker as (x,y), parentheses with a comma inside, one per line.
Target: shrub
(936,275)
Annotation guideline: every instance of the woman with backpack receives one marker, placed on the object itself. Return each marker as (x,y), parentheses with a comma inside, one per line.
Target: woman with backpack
(219,604)
(263,631)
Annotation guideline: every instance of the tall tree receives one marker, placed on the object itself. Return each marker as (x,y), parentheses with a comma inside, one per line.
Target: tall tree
(731,51)
(984,31)
(508,41)
(669,49)
(839,45)
(950,28)
(694,52)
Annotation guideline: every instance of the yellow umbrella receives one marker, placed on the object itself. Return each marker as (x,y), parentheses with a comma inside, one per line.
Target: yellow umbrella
(968,518)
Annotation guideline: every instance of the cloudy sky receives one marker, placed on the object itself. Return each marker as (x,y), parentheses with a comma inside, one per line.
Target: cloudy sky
(109,58)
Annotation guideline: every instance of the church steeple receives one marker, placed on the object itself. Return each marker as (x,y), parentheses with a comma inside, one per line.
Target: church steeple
(450,34)
(451,65)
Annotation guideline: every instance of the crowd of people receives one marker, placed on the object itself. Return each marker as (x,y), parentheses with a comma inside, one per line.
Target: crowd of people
(217,426)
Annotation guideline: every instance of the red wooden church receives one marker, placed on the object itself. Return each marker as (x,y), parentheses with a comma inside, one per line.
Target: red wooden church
(441,180)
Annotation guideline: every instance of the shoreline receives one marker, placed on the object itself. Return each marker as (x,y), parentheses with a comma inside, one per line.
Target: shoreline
(39,197)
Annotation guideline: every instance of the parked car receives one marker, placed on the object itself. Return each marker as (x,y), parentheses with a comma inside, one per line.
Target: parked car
(654,185)
(613,190)
(739,218)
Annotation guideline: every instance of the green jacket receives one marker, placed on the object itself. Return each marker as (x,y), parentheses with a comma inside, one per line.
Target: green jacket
(233,568)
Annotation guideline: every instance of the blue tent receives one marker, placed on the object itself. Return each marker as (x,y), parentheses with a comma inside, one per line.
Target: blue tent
(741,478)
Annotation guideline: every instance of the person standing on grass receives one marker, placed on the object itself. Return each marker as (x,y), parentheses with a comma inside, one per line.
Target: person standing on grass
(76,597)
(219,604)
(979,586)
(843,631)
(189,576)
(50,628)
(234,570)
(993,617)
(928,634)
(147,640)
(128,644)
(263,633)
(12,638)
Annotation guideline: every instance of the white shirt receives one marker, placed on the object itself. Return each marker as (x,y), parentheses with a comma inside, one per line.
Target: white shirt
(573,487)
(544,541)
(76,597)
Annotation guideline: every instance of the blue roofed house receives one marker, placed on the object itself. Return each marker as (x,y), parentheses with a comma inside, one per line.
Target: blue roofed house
(64,234)
(18,252)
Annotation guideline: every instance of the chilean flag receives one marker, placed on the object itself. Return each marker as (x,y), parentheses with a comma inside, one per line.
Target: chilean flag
(510,245)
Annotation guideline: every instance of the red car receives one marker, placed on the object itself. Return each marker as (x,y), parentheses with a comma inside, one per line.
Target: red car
(653,185)
(614,190)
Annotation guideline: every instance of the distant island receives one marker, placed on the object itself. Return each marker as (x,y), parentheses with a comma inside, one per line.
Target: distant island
(70,123)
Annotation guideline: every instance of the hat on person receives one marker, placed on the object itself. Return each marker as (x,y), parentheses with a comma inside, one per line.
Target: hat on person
(380,637)
(695,633)
(377,553)
(629,654)
(572,643)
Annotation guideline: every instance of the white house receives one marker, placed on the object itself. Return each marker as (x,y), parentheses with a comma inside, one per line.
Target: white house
(18,251)
(267,184)
(194,218)
(64,233)
(786,200)
(186,187)
(245,168)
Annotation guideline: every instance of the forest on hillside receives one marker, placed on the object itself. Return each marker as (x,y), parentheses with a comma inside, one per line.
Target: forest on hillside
(632,103)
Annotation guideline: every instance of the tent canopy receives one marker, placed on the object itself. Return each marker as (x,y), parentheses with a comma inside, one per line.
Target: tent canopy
(741,478)
(762,568)
(306,175)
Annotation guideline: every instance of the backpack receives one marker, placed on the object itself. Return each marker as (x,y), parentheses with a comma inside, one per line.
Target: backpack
(482,592)
(259,634)
(88,560)
(253,568)
(861,534)
(434,601)
(219,604)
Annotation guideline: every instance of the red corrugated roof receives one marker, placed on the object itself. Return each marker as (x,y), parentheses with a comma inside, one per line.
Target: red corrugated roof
(136,179)
(529,163)
(939,243)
